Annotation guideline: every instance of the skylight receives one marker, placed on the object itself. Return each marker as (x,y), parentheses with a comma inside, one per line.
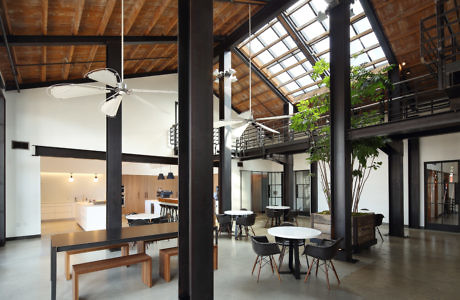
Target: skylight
(279,57)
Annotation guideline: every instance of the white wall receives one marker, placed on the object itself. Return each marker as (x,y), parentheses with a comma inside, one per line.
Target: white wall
(39,119)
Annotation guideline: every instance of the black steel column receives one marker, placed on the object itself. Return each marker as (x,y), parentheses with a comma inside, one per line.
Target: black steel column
(113,144)
(2,171)
(197,25)
(184,163)
(314,187)
(339,19)
(289,181)
(396,188)
(225,142)
(440,24)
(414,182)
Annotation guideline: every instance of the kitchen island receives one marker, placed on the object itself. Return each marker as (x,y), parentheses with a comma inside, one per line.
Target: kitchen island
(90,216)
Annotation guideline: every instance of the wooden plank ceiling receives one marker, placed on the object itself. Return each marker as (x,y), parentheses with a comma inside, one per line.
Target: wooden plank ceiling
(53,63)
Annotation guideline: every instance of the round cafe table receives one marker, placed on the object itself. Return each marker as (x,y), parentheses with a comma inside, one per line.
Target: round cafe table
(236,213)
(294,235)
(143,216)
(278,207)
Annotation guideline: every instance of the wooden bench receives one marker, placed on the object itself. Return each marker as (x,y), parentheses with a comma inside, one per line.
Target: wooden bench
(68,275)
(165,261)
(110,263)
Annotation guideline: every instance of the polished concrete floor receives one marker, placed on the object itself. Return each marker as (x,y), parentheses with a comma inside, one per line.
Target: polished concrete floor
(423,266)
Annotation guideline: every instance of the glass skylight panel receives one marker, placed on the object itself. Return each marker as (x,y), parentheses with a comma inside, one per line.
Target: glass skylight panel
(297,93)
(265,57)
(322,45)
(303,15)
(288,62)
(319,5)
(325,57)
(356,7)
(283,77)
(355,46)
(279,29)
(296,71)
(275,69)
(255,45)
(362,25)
(291,86)
(360,59)
(376,53)
(278,49)
(313,30)
(294,6)
(369,40)
(268,36)
(307,65)
(300,56)
(304,81)
(290,42)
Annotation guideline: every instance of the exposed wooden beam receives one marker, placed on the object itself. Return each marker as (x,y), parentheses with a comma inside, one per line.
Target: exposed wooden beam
(7,17)
(15,58)
(63,40)
(66,68)
(154,63)
(43,67)
(131,18)
(80,4)
(44,17)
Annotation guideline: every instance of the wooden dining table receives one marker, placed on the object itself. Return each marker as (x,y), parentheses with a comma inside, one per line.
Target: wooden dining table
(97,238)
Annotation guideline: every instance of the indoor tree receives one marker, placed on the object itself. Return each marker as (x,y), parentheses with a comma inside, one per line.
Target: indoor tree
(368,89)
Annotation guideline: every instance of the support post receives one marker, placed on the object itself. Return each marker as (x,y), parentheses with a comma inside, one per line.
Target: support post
(184,149)
(314,187)
(414,182)
(289,182)
(339,19)
(113,144)
(396,188)
(225,134)
(196,19)
(2,171)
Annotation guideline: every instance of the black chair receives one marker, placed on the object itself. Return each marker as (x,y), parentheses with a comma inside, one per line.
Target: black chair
(273,215)
(225,223)
(325,250)
(246,222)
(377,222)
(291,216)
(263,248)
(139,222)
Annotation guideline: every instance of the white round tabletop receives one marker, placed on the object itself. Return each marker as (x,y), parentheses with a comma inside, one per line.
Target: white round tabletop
(238,212)
(280,207)
(143,216)
(169,204)
(293,232)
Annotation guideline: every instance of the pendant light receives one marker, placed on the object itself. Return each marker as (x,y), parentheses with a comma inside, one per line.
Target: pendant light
(95,179)
(170,174)
(71,178)
(160,175)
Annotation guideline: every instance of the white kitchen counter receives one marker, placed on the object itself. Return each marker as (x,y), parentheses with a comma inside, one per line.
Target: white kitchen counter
(90,216)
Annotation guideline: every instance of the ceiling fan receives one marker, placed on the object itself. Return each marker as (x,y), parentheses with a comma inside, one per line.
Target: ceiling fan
(113,83)
(247,118)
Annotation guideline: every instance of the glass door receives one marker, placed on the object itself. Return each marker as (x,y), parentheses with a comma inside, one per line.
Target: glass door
(275,188)
(302,192)
(442,195)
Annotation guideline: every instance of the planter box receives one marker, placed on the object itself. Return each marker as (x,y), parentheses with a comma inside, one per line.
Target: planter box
(362,233)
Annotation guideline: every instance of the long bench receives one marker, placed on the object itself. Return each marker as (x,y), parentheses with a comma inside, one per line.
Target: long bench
(124,252)
(110,263)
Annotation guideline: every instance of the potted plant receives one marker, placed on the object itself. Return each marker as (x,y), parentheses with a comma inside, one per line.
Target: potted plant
(368,89)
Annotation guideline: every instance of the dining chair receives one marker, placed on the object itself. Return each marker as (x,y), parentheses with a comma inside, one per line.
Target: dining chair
(324,250)
(377,222)
(246,222)
(225,223)
(263,249)
(291,216)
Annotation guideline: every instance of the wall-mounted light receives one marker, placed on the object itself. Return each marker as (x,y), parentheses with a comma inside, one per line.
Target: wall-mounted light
(95,179)
(71,178)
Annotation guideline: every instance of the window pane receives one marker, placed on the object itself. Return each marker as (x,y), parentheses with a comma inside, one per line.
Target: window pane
(287,62)
(313,30)
(300,56)
(292,86)
(307,65)
(355,47)
(357,8)
(325,57)
(376,53)
(268,36)
(290,42)
(296,71)
(279,49)
(275,69)
(362,25)
(303,15)
(361,59)
(304,81)
(265,57)
(283,77)
(322,45)
(279,29)
(255,45)
(369,40)
(319,5)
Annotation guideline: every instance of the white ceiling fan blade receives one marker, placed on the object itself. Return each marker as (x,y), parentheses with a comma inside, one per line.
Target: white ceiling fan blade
(238,131)
(222,123)
(245,115)
(110,107)
(274,118)
(144,101)
(106,76)
(66,91)
(153,91)
(266,127)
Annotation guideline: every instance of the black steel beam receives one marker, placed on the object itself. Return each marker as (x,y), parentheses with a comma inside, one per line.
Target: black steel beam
(396,188)
(2,170)
(341,202)
(378,30)
(314,187)
(261,76)
(289,181)
(101,155)
(416,127)
(262,17)
(183,45)
(113,150)
(298,146)
(10,57)
(84,80)
(414,182)
(225,135)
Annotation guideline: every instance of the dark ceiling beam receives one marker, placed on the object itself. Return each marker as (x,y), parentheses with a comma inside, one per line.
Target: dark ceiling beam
(33,85)
(10,57)
(261,75)
(378,30)
(63,40)
(270,11)
(416,127)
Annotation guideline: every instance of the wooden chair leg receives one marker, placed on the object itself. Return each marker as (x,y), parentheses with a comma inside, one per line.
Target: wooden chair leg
(335,272)
(327,275)
(255,263)
(281,258)
(260,267)
(276,268)
(140,246)
(309,270)
(317,265)
(252,229)
(271,264)
(68,276)
(75,286)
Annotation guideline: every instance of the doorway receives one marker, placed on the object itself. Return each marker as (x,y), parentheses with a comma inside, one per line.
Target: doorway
(302,200)
(442,195)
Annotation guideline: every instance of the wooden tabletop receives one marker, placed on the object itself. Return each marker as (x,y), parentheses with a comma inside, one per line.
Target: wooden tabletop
(86,239)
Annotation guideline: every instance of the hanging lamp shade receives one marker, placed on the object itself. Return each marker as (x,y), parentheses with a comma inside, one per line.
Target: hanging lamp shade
(170,176)
(161,176)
